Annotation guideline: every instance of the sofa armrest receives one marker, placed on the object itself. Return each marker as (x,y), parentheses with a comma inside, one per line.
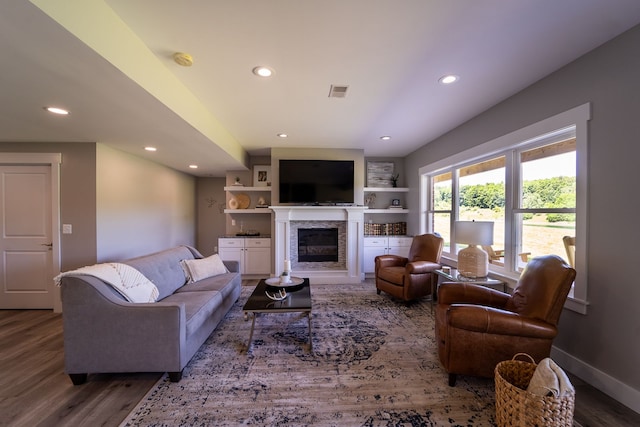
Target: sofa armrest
(232,266)
(390,261)
(467,293)
(105,333)
(488,320)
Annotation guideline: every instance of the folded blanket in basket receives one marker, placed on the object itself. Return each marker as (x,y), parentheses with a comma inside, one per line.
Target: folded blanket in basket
(550,380)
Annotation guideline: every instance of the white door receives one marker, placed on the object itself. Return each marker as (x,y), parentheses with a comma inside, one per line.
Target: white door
(26,263)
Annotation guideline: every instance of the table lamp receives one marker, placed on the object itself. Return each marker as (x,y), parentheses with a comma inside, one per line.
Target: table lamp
(473,262)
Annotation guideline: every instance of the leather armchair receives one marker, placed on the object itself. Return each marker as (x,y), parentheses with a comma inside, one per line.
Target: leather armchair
(478,327)
(413,277)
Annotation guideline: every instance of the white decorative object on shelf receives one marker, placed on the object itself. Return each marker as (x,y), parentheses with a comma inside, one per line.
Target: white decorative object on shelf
(370,200)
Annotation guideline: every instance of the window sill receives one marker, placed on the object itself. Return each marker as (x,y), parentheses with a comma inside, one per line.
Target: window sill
(577,305)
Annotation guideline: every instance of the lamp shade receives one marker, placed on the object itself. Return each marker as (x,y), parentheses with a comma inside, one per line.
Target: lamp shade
(474,232)
(473,262)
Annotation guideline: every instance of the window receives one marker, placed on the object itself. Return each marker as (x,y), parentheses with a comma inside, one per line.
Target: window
(547,202)
(528,184)
(442,207)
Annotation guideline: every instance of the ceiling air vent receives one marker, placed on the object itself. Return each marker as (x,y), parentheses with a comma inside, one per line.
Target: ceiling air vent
(338,91)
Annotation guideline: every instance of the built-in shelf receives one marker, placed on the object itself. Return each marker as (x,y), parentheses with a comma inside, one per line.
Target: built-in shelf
(384,211)
(244,188)
(386,189)
(248,211)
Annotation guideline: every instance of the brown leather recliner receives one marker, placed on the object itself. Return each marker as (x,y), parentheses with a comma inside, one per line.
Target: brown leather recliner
(477,327)
(413,277)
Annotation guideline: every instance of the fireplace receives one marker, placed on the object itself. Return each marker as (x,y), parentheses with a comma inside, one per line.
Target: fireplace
(348,220)
(317,244)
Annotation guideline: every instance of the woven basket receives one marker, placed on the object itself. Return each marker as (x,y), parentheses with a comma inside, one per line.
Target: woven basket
(515,406)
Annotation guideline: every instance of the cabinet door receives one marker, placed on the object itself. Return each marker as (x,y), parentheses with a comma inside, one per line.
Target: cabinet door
(231,243)
(232,254)
(373,246)
(257,243)
(257,261)
(400,246)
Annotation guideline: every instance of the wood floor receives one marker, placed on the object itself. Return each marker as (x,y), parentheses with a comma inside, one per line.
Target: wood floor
(34,391)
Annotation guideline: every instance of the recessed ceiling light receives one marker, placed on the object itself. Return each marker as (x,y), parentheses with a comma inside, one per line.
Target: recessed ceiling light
(385,137)
(282,135)
(151,148)
(263,71)
(448,79)
(193,166)
(56,110)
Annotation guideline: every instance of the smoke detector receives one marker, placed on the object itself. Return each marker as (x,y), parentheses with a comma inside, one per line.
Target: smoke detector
(183,59)
(338,91)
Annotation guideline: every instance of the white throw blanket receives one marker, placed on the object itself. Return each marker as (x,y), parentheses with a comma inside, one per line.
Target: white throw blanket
(128,281)
(550,380)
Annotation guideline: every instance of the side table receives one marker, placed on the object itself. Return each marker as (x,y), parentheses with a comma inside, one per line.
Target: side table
(453,276)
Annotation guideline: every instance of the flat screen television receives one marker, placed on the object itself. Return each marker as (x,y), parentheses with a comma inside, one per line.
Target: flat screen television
(316,181)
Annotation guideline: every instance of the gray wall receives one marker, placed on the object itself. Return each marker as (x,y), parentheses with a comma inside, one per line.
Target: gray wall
(211,220)
(110,197)
(142,207)
(604,344)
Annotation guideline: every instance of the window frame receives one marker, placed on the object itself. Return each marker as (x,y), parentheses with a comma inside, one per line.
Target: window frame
(577,117)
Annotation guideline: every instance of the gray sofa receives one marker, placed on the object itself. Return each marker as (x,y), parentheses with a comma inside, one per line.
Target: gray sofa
(103,332)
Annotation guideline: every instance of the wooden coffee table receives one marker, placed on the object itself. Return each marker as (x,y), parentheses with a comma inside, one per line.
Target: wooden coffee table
(298,300)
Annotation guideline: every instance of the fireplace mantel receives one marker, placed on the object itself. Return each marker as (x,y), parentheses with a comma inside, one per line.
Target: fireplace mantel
(353,216)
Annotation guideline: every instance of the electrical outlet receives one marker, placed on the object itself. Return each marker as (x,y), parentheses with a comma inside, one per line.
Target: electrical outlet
(215,249)
(233,222)
(67,229)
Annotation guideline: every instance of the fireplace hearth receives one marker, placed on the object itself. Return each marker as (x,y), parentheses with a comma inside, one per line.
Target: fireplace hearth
(317,244)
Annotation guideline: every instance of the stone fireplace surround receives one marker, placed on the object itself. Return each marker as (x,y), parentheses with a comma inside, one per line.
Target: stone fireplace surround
(350,223)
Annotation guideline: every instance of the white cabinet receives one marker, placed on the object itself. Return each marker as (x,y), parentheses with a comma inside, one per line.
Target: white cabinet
(384,245)
(253,254)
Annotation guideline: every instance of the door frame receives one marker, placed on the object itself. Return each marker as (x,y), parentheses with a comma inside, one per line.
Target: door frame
(53,160)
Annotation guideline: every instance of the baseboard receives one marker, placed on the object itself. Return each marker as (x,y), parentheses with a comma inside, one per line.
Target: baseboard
(610,386)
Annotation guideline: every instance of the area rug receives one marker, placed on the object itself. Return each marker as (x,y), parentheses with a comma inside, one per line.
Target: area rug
(373,363)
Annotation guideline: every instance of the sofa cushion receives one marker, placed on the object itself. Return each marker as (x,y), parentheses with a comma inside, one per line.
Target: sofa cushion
(198,269)
(223,283)
(199,306)
(163,268)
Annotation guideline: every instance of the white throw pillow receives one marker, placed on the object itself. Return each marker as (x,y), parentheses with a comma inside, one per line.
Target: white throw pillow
(198,269)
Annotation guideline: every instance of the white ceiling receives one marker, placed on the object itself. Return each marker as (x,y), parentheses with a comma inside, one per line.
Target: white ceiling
(110,63)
